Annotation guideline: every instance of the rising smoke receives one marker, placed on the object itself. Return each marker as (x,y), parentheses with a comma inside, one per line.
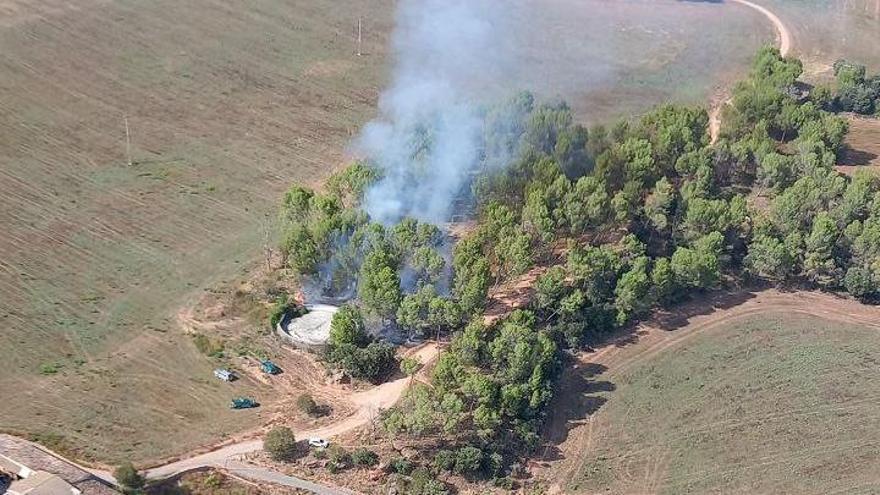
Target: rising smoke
(427,138)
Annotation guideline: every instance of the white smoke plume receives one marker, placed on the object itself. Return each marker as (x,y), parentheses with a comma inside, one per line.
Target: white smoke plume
(426,139)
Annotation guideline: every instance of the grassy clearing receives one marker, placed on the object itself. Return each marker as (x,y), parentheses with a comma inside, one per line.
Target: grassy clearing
(775,403)
(617,59)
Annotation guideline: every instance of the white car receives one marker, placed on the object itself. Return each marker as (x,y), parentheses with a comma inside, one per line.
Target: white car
(319,443)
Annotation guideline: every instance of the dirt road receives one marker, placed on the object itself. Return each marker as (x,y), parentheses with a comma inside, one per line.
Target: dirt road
(782,32)
(368,403)
(669,330)
(785,43)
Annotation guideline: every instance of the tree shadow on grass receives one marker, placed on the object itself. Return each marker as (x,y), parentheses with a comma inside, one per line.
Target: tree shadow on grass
(851,157)
(679,315)
(581,393)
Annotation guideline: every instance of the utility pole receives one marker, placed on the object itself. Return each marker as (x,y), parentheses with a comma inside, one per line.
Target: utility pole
(267,245)
(127,140)
(360,37)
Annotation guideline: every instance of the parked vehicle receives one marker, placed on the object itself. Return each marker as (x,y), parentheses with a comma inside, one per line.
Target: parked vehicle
(269,367)
(318,443)
(243,403)
(225,374)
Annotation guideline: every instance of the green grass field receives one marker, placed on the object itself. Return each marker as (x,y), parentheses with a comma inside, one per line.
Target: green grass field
(773,403)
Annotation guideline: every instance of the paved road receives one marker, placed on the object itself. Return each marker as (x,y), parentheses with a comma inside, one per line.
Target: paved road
(268,476)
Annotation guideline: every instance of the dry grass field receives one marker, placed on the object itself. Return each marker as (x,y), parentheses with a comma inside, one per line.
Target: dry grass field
(826,30)
(227,102)
(616,59)
(774,395)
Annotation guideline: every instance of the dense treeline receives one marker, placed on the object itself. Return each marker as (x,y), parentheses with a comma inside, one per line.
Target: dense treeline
(619,220)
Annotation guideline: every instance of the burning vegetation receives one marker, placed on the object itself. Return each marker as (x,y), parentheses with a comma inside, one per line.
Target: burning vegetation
(610,223)
(618,220)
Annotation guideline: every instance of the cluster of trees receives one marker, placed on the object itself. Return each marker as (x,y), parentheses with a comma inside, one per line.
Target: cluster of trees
(351,349)
(621,219)
(280,445)
(625,219)
(400,272)
(819,226)
(856,91)
(488,396)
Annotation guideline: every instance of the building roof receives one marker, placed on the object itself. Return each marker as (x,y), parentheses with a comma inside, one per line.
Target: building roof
(31,459)
(42,483)
(10,466)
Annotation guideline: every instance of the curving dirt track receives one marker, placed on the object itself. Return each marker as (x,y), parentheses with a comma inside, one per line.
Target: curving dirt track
(367,405)
(782,32)
(785,43)
(668,331)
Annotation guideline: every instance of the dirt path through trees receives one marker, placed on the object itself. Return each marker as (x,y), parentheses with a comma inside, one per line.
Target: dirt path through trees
(785,43)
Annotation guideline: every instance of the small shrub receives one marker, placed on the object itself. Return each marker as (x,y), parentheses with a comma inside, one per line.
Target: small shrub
(307,405)
(364,458)
(278,310)
(518,470)
(338,455)
(214,480)
(401,465)
(422,482)
(444,460)
(283,305)
(506,482)
(129,478)
(468,460)
(280,444)
(208,347)
(319,453)
(410,366)
(50,368)
(494,464)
